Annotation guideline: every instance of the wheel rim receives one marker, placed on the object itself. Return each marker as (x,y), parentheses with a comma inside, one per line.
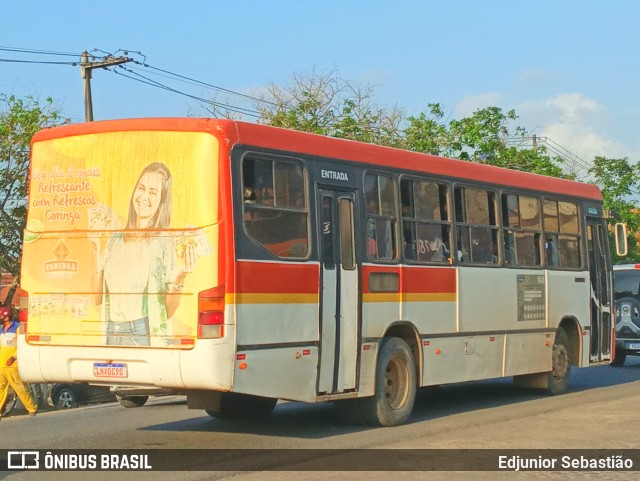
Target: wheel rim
(65,400)
(396,383)
(560,361)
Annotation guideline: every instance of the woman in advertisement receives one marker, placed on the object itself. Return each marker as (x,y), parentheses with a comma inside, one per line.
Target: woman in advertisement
(138,278)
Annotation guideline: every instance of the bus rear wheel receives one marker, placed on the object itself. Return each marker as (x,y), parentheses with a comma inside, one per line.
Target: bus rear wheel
(395,390)
(560,364)
(243,406)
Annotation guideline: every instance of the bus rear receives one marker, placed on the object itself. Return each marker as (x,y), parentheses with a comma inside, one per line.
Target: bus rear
(121,256)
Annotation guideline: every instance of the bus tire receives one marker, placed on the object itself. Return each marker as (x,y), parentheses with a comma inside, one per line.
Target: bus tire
(243,406)
(619,359)
(395,388)
(132,401)
(560,364)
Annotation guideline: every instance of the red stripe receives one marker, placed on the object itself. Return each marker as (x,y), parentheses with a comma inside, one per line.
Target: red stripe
(268,277)
(416,280)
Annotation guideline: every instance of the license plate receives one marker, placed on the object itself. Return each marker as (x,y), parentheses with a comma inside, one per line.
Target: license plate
(111,370)
(633,345)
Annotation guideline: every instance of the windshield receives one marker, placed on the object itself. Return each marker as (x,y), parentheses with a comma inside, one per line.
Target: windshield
(627,283)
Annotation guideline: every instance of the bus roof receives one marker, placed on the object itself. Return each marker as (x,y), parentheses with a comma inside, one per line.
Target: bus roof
(323,146)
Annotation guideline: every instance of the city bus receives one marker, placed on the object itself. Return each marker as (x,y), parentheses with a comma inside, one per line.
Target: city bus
(243,264)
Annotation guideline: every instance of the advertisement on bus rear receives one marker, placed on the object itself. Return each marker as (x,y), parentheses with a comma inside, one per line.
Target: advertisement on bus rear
(120,237)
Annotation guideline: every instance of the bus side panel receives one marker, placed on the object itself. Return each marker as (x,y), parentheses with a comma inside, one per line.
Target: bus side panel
(568,295)
(527,353)
(285,373)
(425,297)
(429,298)
(465,358)
(488,300)
(277,329)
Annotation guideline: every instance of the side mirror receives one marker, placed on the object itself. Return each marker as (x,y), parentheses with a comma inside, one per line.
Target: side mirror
(621,239)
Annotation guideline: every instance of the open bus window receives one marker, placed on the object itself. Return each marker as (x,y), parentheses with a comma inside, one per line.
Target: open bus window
(275,208)
(381,208)
(522,230)
(425,221)
(477,238)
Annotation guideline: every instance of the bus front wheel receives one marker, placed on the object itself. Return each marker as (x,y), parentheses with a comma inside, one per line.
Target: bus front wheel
(560,364)
(395,389)
(621,356)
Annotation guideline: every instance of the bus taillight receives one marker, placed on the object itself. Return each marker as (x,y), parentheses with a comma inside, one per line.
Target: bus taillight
(211,313)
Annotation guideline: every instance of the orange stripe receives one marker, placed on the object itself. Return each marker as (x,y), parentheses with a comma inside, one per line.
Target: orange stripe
(270,298)
(413,297)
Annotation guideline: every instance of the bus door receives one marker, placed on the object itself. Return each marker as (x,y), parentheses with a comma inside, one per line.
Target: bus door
(339,292)
(599,272)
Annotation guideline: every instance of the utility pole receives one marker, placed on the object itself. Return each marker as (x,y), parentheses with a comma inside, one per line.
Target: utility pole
(85,70)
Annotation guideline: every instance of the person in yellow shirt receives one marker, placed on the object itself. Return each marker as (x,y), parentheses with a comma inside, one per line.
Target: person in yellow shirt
(9,375)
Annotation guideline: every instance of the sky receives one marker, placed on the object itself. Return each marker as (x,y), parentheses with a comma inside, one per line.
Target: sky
(569,68)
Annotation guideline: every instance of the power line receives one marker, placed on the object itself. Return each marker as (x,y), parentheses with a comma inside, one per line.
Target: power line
(153,83)
(8,60)
(145,80)
(38,52)
(216,87)
(568,157)
(180,77)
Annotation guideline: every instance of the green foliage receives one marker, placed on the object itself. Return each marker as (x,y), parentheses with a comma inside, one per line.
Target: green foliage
(484,138)
(427,133)
(619,181)
(20,119)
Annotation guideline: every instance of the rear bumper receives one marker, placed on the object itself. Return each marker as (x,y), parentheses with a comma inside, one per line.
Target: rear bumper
(143,391)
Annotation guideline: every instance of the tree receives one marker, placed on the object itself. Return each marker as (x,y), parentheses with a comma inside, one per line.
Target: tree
(326,104)
(619,181)
(20,119)
(484,137)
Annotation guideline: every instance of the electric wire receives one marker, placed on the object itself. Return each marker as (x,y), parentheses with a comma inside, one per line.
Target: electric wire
(209,102)
(8,60)
(98,54)
(39,52)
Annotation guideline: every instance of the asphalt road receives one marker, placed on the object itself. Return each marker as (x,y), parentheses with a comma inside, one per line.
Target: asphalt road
(600,412)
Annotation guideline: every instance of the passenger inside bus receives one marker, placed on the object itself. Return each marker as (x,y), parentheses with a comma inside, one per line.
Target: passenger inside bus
(552,252)
(482,248)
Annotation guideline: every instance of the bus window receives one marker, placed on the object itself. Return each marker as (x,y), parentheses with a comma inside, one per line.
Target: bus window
(347,250)
(275,206)
(425,221)
(522,230)
(381,208)
(562,234)
(477,237)
(326,238)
